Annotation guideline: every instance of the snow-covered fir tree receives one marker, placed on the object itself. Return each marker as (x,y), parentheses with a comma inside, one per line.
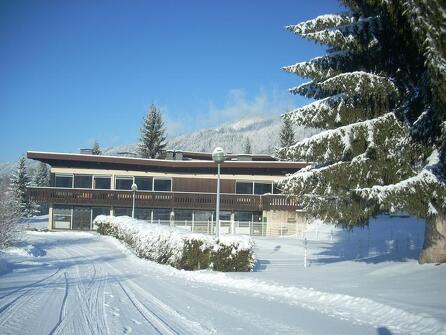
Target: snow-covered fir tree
(247,147)
(9,215)
(286,136)
(153,138)
(381,97)
(41,176)
(19,183)
(96,149)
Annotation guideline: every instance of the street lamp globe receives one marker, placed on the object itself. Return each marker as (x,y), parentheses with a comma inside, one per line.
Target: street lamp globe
(218,155)
(134,187)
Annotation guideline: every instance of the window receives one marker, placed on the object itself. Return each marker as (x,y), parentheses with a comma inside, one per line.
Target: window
(162,214)
(64,181)
(124,183)
(183,214)
(225,215)
(61,217)
(243,216)
(96,211)
(203,216)
(143,213)
(162,185)
(144,183)
(262,188)
(82,181)
(123,211)
(276,189)
(247,187)
(243,187)
(103,183)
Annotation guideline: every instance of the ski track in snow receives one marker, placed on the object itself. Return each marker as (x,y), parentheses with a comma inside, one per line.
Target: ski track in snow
(94,285)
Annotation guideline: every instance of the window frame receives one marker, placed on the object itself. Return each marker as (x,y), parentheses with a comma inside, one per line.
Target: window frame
(102,176)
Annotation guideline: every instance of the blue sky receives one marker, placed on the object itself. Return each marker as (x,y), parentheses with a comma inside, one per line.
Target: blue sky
(75,71)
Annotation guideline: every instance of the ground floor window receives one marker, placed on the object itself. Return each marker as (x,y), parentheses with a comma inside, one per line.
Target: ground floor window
(123,211)
(203,216)
(161,214)
(76,217)
(143,214)
(61,217)
(183,214)
(96,211)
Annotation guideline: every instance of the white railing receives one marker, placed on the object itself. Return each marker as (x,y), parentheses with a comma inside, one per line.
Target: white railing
(226,227)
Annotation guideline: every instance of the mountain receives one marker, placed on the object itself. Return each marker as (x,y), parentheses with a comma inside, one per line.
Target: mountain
(263,134)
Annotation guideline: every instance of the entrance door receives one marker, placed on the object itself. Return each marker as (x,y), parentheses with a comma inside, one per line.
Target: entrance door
(81,218)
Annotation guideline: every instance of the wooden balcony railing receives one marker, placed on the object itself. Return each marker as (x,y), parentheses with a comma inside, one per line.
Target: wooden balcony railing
(119,198)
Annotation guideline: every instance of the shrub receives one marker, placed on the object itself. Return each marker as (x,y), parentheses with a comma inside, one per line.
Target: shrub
(180,248)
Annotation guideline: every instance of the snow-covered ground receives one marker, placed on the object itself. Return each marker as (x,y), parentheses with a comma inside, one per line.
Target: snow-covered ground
(82,283)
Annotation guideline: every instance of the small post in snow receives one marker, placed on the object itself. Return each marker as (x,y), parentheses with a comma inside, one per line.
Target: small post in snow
(305,253)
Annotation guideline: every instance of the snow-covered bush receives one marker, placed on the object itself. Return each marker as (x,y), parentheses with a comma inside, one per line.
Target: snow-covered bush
(180,248)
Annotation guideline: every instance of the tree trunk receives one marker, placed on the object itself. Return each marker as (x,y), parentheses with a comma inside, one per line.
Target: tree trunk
(434,248)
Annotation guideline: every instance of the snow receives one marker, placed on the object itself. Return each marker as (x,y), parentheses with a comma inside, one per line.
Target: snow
(91,284)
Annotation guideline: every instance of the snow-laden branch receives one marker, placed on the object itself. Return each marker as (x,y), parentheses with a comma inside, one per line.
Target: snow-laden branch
(331,145)
(319,23)
(357,83)
(425,191)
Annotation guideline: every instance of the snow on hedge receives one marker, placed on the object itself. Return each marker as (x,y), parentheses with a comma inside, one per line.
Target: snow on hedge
(180,248)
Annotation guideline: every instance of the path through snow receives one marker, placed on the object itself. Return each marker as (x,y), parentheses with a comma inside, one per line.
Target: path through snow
(88,284)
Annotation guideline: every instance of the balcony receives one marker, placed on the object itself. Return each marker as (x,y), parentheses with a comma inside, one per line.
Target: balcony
(180,200)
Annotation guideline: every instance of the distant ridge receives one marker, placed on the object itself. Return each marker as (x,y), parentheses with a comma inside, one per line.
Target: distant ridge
(263,133)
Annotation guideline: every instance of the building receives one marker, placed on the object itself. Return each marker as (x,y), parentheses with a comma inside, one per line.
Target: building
(179,190)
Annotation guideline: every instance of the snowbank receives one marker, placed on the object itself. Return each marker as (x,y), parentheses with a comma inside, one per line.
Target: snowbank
(180,248)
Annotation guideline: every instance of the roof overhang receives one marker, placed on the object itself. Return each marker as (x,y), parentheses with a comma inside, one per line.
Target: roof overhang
(162,165)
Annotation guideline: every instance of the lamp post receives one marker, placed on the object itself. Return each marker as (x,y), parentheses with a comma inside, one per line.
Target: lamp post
(218,156)
(134,189)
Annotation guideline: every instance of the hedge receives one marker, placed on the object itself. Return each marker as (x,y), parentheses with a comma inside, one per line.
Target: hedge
(178,247)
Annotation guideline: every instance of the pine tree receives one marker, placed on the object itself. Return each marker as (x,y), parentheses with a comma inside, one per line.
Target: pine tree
(152,142)
(41,176)
(286,136)
(381,96)
(96,150)
(9,216)
(247,147)
(19,184)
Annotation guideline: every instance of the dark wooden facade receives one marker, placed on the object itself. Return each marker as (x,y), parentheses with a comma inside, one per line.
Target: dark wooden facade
(187,192)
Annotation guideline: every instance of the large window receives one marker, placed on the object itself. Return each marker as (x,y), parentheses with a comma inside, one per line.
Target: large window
(183,214)
(82,181)
(64,181)
(124,183)
(243,187)
(251,187)
(61,217)
(96,211)
(262,188)
(203,216)
(247,216)
(144,183)
(123,211)
(103,183)
(143,213)
(162,185)
(162,214)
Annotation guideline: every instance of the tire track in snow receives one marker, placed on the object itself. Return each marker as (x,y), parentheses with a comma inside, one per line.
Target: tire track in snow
(62,308)
(27,305)
(158,324)
(28,286)
(86,310)
(180,324)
